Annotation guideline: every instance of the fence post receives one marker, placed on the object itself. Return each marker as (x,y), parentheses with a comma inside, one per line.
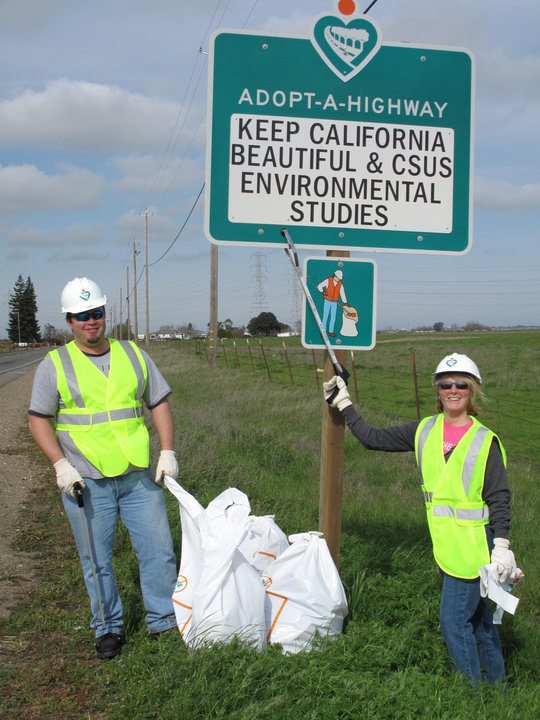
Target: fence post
(224,353)
(250,357)
(415,381)
(236,353)
(315,369)
(288,363)
(265,361)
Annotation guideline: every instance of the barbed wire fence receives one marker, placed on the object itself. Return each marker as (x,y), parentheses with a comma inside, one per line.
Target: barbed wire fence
(393,393)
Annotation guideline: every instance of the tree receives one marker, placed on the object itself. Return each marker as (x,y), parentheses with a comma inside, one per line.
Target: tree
(438,326)
(265,324)
(54,336)
(23,324)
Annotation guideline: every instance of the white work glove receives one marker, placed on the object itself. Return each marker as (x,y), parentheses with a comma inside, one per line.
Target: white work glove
(503,558)
(167,465)
(342,398)
(67,476)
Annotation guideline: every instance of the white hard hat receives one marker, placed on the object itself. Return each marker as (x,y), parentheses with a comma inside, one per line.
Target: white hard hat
(458,363)
(339,274)
(82,294)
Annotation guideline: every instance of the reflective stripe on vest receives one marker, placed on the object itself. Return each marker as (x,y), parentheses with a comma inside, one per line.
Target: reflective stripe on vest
(471,457)
(461,513)
(71,378)
(65,418)
(422,439)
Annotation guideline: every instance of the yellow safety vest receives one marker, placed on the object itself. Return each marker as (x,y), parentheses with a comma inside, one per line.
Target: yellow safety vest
(103,416)
(452,489)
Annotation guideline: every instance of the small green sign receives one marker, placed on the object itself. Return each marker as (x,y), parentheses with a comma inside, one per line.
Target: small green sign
(373,152)
(344,293)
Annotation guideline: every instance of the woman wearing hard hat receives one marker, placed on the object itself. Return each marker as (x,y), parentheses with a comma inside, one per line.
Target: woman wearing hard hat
(467,501)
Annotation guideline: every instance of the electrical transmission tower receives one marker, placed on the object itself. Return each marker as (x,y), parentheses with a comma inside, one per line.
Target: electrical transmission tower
(259,303)
(295,296)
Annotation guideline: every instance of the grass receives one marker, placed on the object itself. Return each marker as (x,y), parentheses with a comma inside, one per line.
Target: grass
(234,429)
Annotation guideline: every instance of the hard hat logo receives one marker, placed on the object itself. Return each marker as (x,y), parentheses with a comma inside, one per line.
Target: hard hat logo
(451,362)
(85,295)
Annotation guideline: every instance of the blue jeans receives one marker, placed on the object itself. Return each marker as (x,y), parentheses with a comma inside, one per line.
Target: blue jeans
(329,313)
(141,505)
(468,630)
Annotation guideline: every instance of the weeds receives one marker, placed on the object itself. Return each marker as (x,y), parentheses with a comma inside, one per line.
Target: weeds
(390,663)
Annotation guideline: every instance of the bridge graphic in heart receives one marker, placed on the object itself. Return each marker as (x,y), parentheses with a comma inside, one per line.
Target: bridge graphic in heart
(346,47)
(85,295)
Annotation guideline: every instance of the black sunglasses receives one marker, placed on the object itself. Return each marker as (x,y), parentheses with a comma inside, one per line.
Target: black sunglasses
(84,316)
(447,384)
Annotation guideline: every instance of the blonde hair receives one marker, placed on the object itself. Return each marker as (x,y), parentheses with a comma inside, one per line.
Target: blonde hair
(476,395)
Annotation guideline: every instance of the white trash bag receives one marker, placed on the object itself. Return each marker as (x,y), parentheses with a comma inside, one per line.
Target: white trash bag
(306,594)
(190,559)
(229,598)
(264,542)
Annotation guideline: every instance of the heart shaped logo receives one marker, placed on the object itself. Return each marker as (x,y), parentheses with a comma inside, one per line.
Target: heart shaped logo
(85,295)
(346,47)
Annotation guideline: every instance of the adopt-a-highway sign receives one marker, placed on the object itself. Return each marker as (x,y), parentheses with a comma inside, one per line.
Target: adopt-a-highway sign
(343,291)
(346,141)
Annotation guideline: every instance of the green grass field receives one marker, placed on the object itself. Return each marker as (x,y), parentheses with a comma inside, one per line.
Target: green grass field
(238,429)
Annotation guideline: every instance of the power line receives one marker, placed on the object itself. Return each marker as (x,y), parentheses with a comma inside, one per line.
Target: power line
(181,229)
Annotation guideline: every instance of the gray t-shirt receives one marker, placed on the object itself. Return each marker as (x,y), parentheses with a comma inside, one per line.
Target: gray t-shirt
(45,400)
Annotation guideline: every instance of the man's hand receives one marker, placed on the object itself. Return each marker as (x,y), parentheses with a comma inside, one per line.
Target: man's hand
(504,558)
(167,465)
(67,476)
(342,398)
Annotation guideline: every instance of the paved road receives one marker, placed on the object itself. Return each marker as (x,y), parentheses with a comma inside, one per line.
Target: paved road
(17,363)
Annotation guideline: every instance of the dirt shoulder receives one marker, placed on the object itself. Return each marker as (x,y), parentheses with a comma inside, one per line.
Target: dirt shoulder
(20,474)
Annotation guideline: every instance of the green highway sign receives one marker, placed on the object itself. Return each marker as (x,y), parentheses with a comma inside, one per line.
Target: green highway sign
(344,292)
(371,153)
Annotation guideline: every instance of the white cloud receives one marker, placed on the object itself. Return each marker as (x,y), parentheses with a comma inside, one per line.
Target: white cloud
(146,173)
(25,188)
(86,117)
(499,195)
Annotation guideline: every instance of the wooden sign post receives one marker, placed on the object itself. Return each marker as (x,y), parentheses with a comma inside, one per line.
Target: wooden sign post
(332,458)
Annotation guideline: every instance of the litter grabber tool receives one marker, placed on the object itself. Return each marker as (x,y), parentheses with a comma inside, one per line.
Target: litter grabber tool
(338,368)
(77,488)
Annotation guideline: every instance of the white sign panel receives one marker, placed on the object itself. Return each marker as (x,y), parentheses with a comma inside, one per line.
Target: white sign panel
(332,173)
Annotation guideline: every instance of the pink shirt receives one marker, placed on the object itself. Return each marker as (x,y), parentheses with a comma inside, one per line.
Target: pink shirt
(453,434)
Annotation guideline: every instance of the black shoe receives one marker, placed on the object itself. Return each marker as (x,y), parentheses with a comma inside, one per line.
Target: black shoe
(109,646)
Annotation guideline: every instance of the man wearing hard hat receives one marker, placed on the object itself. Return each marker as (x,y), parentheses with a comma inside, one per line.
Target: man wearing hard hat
(94,389)
(332,290)
(467,499)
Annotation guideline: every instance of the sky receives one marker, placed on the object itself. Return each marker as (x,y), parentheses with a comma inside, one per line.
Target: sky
(103,119)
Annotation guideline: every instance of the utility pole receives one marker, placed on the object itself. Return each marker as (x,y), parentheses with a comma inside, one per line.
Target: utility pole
(19,326)
(135,310)
(147,337)
(212,327)
(127,303)
(120,332)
